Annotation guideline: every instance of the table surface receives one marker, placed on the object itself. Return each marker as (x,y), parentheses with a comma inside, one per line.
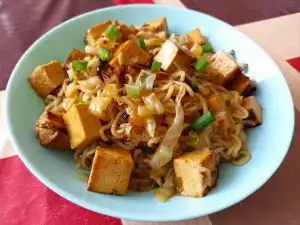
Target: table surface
(277,202)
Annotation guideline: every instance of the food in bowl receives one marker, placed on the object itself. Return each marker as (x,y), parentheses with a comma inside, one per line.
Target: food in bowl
(143,108)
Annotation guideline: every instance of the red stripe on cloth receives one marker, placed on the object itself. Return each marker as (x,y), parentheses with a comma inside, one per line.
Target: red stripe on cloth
(26,201)
(124,2)
(295,62)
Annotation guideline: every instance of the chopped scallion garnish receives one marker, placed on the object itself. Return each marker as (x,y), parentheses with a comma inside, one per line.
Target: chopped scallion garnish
(78,65)
(79,100)
(155,67)
(201,64)
(194,84)
(140,42)
(207,48)
(193,138)
(203,121)
(132,90)
(104,54)
(112,32)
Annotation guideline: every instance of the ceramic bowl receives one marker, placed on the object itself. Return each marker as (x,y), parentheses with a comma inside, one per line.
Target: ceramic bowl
(267,143)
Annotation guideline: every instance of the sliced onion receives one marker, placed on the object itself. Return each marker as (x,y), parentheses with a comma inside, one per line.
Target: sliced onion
(91,84)
(68,102)
(91,50)
(164,152)
(153,103)
(71,90)
(144,111)
(150,126)
(168,189)
(145,80)
(98,105)
(196,51)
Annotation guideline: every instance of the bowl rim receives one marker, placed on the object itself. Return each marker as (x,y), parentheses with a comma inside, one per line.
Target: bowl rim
(115,213)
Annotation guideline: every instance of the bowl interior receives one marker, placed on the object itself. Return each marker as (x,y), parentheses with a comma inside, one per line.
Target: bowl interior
(268,143)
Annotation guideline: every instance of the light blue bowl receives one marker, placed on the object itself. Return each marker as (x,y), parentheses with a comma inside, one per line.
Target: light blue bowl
(268,143)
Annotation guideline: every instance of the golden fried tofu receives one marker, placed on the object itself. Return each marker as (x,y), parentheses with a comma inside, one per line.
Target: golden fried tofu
(53,138)
(242,84)
(217,105)
(95,32)
(50,130)
(110,171)
(47,77)
(255,112)
(129,53)
(83,128)
(50,119)
(172,56)
(75,55)
(191,173)
(126,31)
(222,68)
(160,24)
(196,37)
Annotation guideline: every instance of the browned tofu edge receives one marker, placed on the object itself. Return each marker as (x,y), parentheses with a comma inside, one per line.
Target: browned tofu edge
(53,138)
(160,24)
(75,54)
(124,48)
(98,29)
(252,120)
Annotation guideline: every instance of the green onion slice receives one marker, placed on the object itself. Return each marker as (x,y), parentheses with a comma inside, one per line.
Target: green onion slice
(140,42)
(194,84)
(132,90)
(155,67)
(203,121)
(193,138)
(78,65)
(79,100)
(111,32)
(145,80)
(207,48)
(201,64)
(104,54)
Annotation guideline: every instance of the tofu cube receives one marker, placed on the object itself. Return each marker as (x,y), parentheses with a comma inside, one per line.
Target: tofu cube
(51,120)
(110,171)
(243,85)
(221,68)
(83,128)
(129,53)
(255,112)
(75,55)
(50,130)
(95,32)
(190,178)
(126,31)
(53,138)
(160,24)
(47,78)
(172,56)
(196,37)
(217,105)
